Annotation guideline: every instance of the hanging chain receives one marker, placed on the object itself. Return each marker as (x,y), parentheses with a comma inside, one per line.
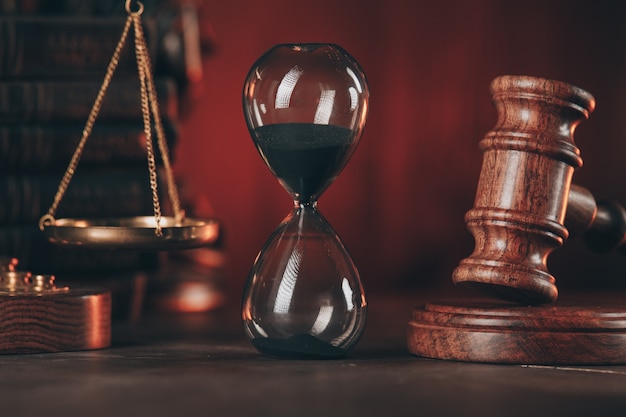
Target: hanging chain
(145,111)
(149,98)
(149,102)
(48,218)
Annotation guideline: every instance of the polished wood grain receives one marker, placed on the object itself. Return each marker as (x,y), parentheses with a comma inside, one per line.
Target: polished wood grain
(602,224)
(497,332)
(518,216)
(76,319)
(525,208)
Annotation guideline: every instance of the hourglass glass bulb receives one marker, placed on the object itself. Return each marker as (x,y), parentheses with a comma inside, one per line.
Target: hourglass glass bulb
(305,105)
(304,297)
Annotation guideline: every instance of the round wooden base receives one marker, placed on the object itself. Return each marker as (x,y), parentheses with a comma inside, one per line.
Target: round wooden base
(55,322)
(494,332)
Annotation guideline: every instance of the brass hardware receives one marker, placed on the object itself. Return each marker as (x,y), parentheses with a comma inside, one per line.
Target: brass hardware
(14,282)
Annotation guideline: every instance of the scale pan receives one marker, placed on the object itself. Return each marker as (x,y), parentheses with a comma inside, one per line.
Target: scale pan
(137,233)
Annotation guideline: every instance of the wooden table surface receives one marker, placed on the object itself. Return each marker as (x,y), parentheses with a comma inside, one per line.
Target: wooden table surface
(204,366)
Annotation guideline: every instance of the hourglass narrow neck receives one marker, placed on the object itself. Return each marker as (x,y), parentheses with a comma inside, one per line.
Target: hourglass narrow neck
(305,205)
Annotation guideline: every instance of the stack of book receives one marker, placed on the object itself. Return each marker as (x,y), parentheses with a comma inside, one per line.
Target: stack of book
(51,69)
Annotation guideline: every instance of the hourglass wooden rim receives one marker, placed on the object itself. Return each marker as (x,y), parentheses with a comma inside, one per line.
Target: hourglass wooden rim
(142,232)
(517,220)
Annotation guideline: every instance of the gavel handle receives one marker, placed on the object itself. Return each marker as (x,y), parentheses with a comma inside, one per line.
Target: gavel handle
(601,224)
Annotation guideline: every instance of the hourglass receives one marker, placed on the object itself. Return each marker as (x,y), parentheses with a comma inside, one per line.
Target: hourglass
(305,106)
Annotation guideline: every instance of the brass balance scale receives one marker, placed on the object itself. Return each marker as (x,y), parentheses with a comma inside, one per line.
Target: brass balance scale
(38,316)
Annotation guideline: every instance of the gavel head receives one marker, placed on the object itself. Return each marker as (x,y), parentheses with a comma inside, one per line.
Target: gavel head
(529,158)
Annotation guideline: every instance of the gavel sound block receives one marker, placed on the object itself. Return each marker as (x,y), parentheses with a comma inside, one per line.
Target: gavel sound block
(524,201)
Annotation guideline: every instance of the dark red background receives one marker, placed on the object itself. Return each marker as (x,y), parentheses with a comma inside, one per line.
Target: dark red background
(399,204)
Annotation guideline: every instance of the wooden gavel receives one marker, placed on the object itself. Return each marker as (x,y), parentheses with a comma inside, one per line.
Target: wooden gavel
(526,205)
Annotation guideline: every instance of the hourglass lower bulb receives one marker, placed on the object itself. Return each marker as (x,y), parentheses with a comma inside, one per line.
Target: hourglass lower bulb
(305,106)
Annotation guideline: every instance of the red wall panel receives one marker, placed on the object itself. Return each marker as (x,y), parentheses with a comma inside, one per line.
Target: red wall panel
(399,204)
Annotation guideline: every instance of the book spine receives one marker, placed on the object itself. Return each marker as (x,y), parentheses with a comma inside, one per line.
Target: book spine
(92,194)
(67,101)
(36,148)
(66,46)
